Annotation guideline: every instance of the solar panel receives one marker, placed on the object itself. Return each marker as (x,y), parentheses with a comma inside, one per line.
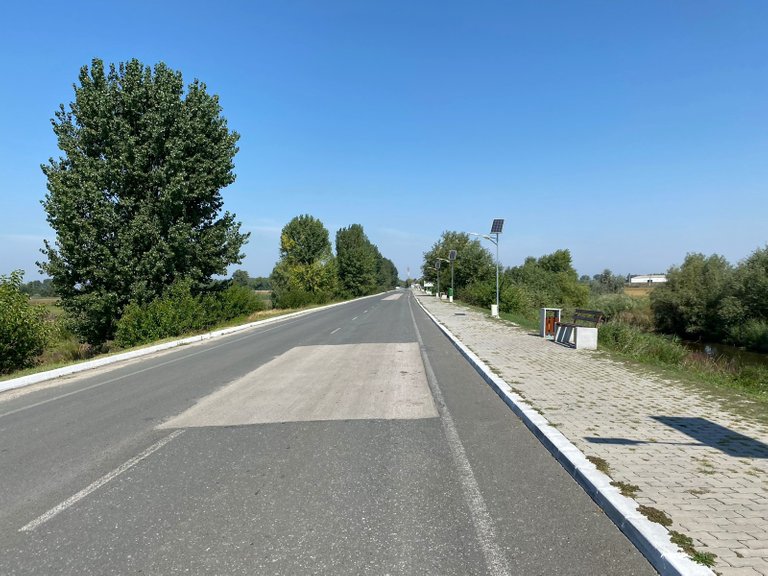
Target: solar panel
(452,255)
(438,264)
(497,225)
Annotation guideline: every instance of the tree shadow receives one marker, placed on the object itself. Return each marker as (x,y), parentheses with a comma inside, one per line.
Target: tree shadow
(705,432)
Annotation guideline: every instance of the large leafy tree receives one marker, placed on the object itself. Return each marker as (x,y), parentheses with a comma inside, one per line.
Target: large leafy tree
(751,288)
(306,272)
(474,263)
(357,261)
(696,299)
(386,273)
(135,198)
(549,280)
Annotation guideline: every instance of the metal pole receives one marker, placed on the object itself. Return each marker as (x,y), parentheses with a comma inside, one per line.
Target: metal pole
(497,273)
(453,294)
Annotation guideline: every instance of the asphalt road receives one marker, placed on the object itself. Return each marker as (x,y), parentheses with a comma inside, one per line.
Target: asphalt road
(355,440)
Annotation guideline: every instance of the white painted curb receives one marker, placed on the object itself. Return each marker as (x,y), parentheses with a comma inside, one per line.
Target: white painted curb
(91,364)
(650,538)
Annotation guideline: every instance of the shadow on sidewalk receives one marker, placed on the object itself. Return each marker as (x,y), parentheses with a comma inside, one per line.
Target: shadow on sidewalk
(706,432)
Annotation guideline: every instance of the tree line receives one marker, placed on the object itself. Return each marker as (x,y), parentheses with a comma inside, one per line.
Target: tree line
(309,273)
(705,298)
(546,281)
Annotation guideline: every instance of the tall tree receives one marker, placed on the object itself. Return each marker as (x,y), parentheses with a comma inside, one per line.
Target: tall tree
(357,261)
(690,302)
(135,199)
(386,273)
(306,271)
(474,263)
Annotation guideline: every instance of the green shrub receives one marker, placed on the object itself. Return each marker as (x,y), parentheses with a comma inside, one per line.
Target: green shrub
(179,312)
(752,334)
(480,294)
(620,307)
(514,298)
(23,331)
(174,313)
(292,298)
(640,345)
(234,302)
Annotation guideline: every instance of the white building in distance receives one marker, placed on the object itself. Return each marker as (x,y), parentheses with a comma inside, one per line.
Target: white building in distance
(647,278)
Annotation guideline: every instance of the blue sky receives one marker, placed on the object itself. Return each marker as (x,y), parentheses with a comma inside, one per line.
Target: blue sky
(629,132)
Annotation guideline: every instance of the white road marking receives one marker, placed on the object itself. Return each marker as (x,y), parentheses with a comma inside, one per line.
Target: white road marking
(481,519)
(365,311)
(72,500)
(355,318)
(337,329)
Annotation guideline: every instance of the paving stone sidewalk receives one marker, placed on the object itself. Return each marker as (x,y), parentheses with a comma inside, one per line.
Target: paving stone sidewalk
(706,468)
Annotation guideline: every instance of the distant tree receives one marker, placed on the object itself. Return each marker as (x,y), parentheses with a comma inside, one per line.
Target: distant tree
(696,299)
(44,288)
(260,283)
(240,278)
(135,199)
(557,262)
(386,273)
(607,283)
(751,285)
(549,280)
(23,332)
(357,260)
(306,272)
(473,262)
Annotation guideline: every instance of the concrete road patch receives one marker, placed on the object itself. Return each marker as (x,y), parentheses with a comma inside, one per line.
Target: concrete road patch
(308,383)
(393,297)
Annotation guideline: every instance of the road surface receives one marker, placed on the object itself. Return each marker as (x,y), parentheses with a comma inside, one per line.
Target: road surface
(355,440)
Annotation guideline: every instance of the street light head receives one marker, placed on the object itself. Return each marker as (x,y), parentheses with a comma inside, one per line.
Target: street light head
(497,225)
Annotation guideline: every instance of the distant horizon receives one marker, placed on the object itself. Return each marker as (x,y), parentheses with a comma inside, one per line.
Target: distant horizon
(630,133)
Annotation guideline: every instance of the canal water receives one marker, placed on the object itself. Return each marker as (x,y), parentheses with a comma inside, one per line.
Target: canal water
(728,353)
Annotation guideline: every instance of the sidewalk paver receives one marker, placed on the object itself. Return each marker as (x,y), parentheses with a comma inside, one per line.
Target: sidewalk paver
(702,465)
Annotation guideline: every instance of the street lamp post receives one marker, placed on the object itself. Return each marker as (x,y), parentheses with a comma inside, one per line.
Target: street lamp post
(439,260)
(498,224)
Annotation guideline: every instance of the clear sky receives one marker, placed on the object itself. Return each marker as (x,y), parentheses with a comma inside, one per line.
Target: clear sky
(629,132)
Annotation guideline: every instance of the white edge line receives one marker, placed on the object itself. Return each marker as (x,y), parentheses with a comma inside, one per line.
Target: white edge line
(495,560)
(91,364)
(650,538)
(337,329)
(72,500)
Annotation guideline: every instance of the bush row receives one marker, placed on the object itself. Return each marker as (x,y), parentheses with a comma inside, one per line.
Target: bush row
(179,311)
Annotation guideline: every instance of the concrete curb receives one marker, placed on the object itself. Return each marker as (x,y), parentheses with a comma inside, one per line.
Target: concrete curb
(91,364)
(650,538)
